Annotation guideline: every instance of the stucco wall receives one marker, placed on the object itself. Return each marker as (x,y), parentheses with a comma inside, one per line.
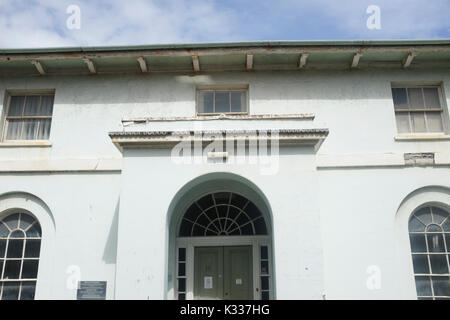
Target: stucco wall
(329,223)
(79,241)
(356,106)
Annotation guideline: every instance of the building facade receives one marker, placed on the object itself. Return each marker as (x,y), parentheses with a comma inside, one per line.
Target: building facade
(265,170)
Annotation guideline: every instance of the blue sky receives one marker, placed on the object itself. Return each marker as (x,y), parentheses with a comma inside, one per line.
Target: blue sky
(43,23)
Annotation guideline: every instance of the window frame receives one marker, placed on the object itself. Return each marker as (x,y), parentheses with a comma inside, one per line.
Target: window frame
(430,274)
(26,238)
(443,110)
(222,88)
(6,106)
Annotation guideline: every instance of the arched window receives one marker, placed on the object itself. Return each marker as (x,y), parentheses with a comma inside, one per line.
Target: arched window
(222,214)
(20,243)
(429,234)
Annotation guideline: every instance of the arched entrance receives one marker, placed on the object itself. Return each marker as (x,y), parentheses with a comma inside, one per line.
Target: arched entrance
(222,241)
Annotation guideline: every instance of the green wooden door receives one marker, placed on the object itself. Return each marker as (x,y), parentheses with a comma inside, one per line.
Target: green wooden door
(238,275)
(223,273)
(208,273)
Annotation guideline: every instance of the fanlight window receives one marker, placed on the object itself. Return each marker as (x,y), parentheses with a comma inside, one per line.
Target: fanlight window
(20,244)
(222,214)
(429,233)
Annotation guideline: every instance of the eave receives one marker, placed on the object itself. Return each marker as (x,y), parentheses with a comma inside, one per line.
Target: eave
(217,57)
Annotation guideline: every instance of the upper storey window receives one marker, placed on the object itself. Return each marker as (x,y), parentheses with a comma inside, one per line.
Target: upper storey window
(217,101)
(418,109)
(28,116)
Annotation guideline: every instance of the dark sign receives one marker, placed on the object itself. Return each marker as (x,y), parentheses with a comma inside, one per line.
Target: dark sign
(91,290)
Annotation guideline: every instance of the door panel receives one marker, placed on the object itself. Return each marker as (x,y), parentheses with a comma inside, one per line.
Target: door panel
(238,275)
(208,277)
(223,273)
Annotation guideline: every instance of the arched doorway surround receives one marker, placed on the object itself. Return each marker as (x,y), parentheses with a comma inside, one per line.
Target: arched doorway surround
(220,240)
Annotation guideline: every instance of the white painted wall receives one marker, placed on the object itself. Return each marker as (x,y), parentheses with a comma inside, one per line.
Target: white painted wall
(329,223)
(83,236)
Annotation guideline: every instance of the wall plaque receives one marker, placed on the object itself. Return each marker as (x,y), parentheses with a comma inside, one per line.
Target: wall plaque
(91,290)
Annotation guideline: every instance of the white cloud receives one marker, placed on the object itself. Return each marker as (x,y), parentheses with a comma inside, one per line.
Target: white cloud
(42,23)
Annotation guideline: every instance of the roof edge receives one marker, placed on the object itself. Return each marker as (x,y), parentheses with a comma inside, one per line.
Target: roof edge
(218,45)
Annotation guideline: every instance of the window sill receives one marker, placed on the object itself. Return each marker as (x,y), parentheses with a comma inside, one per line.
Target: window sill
(223,115)
(422,137)
(25,143)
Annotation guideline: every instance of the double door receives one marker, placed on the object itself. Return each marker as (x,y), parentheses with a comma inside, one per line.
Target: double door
(223,273)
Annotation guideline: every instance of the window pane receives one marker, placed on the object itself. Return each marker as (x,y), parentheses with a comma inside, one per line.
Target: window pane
(260,226)
(438,263)
(399,96)
(264,283)
(32,248)
(185,228)
(446,225)
(14,130)
(17,234)
(415,98)
(439,215)
(265,295)
(30,269)
(431,98)
(222,100)
(11,290)
(2,248)
(420,263)
(447,239)
(238,101)
(43,132)
(32,105)
(25,221)
(424,215)
(1,270)
(264,267)
(4,231)
(46,106)
(415,225)
(29,129)
(181,269)
(34,231)
(12,269)
(434,228)
(205,102)
(181,296)
(441,286)
(418,121)
(247,230)
(402,119)
(12,221)
(423,286)
(16,106)
(434,121)
(181,254)
(15,249)
(435,243)
(264,253)
(252,211)
(418,243)
(28,290)
(182,284)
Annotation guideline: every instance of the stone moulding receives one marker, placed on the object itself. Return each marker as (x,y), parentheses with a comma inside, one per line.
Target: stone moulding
(302,116)
(168,139)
